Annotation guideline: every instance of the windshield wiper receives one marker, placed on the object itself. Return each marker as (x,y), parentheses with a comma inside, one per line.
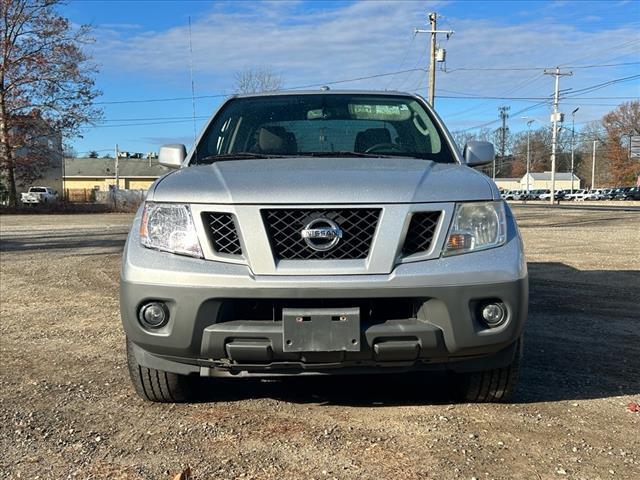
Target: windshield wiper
(236,156)
(341,154)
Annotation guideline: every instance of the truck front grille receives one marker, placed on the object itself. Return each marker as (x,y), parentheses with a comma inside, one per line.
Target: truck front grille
(284,227)
(222,232)
(421,232)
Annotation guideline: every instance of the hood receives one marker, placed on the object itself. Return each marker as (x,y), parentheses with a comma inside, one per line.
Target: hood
(304,180)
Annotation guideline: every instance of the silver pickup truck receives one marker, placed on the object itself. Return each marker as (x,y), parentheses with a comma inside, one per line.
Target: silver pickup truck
(324,233)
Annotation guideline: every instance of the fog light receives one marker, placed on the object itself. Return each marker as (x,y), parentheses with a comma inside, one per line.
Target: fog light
(154,314)
(494,314)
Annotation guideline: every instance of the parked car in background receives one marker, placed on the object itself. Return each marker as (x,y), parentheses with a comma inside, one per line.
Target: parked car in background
(624,193)
(514,195)
(546,195)
(593,195)
(535,194)
(576,195)
(39,195)
(613,193)
(633,194)
(607,193)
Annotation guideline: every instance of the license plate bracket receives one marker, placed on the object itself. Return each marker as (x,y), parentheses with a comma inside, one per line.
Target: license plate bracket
(321,329)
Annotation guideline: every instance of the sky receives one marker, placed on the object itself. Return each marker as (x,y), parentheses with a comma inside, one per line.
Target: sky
(499,49)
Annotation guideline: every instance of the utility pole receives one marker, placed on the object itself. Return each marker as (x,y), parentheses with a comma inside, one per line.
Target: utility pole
(117,173)
(529,150)
(503,136)
(555,118)
(573,142)
(433,19)
(593,166)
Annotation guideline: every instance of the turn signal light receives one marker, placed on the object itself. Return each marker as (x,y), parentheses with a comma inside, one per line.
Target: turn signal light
(459,241)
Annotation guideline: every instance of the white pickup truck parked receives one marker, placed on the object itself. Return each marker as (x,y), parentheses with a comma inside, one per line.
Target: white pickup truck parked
(39,195)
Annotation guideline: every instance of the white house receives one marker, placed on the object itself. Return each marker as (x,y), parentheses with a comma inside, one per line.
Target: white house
(543,180)
(508,183)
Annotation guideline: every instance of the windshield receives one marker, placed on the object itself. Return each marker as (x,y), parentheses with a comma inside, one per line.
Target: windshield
(331,125)
(37,190)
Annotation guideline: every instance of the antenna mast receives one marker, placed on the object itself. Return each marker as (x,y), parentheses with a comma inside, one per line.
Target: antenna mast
(193,88)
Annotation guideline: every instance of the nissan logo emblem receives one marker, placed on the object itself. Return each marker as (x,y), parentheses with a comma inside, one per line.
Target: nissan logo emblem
(321,234)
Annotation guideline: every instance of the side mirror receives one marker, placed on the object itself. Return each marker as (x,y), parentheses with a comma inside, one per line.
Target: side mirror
(478,153)
(172,156)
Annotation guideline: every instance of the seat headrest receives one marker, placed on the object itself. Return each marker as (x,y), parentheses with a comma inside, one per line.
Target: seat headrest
(271,138)
(370,137)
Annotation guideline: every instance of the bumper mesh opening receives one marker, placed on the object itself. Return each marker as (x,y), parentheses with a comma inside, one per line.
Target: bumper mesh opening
(222,232)
(421,232)
(371,310)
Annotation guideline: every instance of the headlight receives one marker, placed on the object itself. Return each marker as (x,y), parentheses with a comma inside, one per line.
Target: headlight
(476,226)
(169,227)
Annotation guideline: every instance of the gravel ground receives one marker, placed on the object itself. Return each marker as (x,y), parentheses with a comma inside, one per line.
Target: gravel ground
(67,409)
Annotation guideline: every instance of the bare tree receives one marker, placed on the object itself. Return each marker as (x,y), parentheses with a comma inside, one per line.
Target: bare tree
(619,125)
(46,84)
(256,80)
(68,151)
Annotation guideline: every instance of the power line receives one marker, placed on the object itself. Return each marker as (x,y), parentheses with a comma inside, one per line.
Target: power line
(486,124)
(170,120)
(404,58)
(570,94)
(459,96)
(527,82)
(624,64)
(523,99)
(368,77)
(152,100)
(599,86)
(606,50)
(299,87)
(518,69)
(146,119)
(142,124)
(584,90)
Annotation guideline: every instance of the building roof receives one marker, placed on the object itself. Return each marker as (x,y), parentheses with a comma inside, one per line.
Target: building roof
(547,176)
(106,167)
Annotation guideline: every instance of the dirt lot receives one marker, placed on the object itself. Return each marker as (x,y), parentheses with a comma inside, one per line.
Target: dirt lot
(67,409)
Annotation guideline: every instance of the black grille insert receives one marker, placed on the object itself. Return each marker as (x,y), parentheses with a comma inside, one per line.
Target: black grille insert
(421,231)
(284,227)
(372,310)
(222,232)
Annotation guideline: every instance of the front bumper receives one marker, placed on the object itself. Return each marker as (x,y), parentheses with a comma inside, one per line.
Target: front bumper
(445,333)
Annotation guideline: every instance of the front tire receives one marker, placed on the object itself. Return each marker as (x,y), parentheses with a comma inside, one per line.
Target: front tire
(490,386)
(159,386)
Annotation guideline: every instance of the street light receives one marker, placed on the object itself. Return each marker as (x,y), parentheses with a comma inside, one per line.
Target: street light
(573,136)
(529,122)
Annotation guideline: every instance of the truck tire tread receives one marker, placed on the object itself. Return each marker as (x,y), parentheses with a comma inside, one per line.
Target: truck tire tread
(156,385)
(490,386)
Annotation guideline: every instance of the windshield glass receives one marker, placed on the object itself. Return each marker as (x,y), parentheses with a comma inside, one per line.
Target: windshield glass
(331,124)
